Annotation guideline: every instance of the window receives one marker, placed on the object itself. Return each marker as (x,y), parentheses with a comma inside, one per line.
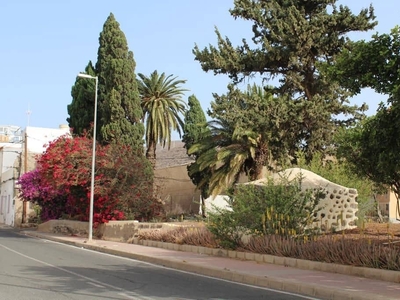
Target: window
(1,204)
(387,207)
(8,204)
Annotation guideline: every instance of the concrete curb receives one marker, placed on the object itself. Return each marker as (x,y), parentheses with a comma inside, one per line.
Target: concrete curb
(290,286)
(370,273)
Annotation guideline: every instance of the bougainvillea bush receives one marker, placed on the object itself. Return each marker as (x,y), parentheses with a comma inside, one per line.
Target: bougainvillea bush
(60,184)
(36,190)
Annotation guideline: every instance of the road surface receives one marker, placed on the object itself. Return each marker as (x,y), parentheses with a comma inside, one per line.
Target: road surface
(35,269)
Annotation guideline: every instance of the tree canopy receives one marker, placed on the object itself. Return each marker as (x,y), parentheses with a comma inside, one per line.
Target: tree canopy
(119,101)
(247,132)
(373,146)
(195,123)
(374,64)
(163,108)
(290,40)
(81,109)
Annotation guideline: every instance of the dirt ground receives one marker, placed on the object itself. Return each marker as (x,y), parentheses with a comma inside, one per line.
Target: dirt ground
(378,229)
(385,233)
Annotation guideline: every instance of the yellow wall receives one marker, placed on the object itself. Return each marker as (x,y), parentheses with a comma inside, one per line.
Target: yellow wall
(177,190)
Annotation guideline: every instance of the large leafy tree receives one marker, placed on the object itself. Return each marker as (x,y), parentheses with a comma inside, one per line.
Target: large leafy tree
(247,133)
(374,64)
(373,146)
(290,39)
(81,109)
(163,108)
(119,101)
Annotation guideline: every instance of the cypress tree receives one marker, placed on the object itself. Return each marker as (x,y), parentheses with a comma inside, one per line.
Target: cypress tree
(81,109)
(119,101)
(194,131)
(195,127)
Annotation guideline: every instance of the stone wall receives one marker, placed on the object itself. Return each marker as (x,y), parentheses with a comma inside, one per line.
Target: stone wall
(117,231)
(338,207)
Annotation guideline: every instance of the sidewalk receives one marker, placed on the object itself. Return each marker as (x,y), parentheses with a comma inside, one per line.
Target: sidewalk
(322,285)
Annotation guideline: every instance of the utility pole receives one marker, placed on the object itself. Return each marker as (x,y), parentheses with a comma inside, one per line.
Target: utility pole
(24,204)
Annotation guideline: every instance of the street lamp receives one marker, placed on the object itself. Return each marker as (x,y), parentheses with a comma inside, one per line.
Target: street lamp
(93,155)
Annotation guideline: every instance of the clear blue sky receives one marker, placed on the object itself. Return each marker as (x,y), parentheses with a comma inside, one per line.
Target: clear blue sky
(45,43)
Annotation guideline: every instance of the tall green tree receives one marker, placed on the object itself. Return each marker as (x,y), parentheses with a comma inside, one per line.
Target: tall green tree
(81,109)
(195,130)
(119,101)
(163,109)
(291,39)
(373,147)
(247,133)
(195,123)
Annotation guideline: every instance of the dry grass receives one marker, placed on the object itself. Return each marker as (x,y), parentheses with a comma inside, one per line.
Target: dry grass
(374,246)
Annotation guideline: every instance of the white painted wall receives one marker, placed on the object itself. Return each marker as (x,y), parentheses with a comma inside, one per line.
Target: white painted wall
(219,201)
(7,203)
(39,137)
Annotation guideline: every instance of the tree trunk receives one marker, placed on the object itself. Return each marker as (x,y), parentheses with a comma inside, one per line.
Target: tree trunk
(151,153)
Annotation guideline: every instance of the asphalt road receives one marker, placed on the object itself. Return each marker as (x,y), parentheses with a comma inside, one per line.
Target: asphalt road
(35,269)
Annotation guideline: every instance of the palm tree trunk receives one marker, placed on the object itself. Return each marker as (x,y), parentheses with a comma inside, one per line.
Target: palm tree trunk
(260,162)
(151,153)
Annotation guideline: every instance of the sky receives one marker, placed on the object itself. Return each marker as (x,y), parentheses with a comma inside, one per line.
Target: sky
(46,43)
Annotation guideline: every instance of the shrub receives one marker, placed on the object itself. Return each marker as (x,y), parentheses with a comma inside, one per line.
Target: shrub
(268,209)
(61,182)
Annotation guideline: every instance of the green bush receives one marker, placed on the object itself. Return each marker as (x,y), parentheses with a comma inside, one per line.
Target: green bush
(269,209)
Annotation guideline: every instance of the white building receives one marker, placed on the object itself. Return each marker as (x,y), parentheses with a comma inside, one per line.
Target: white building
(17,156)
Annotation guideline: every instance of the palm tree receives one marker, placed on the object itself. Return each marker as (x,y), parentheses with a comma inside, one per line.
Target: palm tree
(163,109)
(248,133)
(226,154)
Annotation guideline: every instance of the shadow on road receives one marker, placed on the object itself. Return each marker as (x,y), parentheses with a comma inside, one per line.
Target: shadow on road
(9,232)
(142,282)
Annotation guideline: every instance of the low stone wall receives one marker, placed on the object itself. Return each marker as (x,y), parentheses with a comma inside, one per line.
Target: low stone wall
(64,227)
(117,231)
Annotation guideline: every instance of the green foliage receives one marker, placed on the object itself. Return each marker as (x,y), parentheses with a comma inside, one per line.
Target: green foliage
(225,227)
(194,131)
(119,102)
(373,147)
(373,64)
(162,104)
(81,109)
(195,127)
(271,209)
(291,39)
(249,130)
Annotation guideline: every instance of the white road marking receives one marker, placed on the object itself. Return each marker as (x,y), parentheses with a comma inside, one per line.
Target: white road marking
(97,285)
(89,280)
(127,296)
(181,271)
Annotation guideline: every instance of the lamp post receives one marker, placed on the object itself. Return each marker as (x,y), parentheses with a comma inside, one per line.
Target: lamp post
(93,155)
